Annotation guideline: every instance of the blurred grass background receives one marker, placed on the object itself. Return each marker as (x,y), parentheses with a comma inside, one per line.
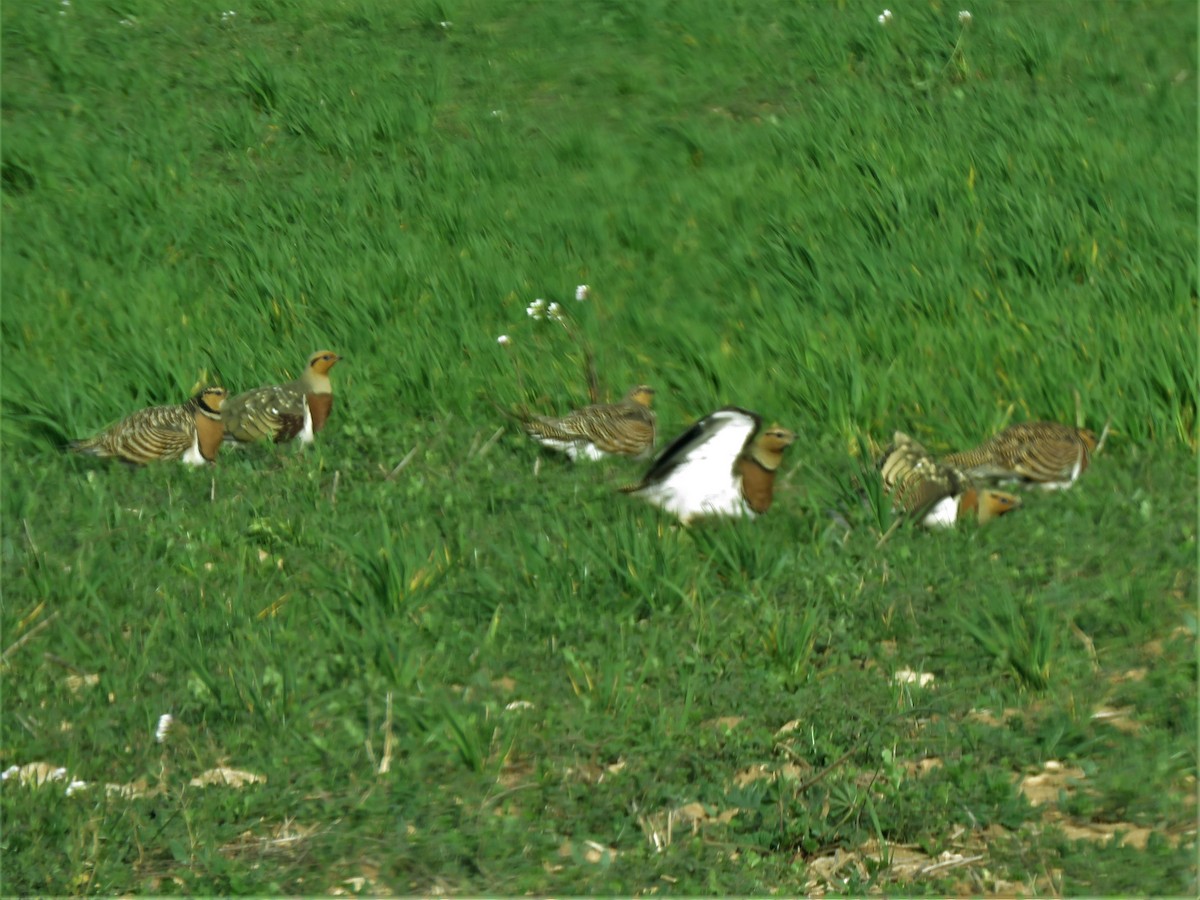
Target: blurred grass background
(848,227)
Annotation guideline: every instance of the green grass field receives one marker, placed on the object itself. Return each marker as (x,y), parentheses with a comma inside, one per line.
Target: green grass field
(488,672)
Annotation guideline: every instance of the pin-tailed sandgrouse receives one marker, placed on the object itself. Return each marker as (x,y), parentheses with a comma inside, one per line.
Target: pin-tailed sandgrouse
(281,412)
(190,432)
(934,493)
(1034,454)
(724,465)
(626,428)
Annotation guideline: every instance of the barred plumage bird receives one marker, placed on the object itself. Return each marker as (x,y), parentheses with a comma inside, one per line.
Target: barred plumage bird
(724,465)
(1042,454)
(626,428)
(280,412)
(935,493)
(190,432)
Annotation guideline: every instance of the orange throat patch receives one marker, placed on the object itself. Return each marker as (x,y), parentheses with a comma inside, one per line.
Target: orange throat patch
(210,432)
(758,485)
(319,406)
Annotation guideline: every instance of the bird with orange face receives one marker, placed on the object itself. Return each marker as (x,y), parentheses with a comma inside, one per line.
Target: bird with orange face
(190,432)
(282,412)
(935,493)
(724,465)
(1045,455)
(626,428)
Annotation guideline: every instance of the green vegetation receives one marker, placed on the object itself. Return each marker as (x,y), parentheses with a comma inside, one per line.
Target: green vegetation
(482,675)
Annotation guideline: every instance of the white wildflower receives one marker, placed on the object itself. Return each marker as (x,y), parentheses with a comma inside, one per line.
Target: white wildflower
(9,772)
(164,726)
(908,676)
(128,23)
(581,292)
(504,340)
(228,15)
(554,311)
(518,705)
(964,16)
(885,17)
(445,24)
(536,309)
(75,785)
(497,113)
(58,774)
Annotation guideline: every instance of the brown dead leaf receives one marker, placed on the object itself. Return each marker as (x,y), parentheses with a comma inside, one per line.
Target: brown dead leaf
(695,814)
(760,772)
(1120,719)
(921,766)
(724,723)
(1098,832)
(226,777)
(987,717)
(1135,674)
(281,838)
(828,869)
(1135,836)
(593,852)
(1044,787)
(1157,647)
(76,683)
(133,790)
(367,882)
(593,773)
(36,774)
(788,727)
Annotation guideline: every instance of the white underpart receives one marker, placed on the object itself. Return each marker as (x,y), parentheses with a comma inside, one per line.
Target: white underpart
(704,483)
(574,449)
(585,449)
(192,455)
(942,514)
(306,433)
(1063,485)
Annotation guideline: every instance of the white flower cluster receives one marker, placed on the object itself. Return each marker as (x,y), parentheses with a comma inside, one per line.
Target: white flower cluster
(228,15)
(964,16)
(885,17)
(582,292)
(540,309)
(164,726)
